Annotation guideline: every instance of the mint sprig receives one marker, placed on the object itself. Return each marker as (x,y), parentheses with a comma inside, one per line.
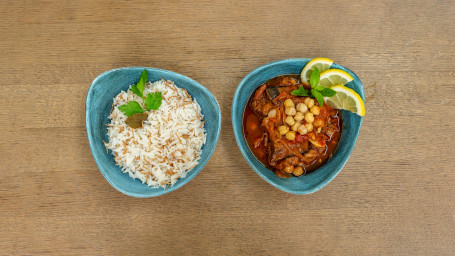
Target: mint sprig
(315,78)
(327,92)
(300,92)
(318,92)
(152,100)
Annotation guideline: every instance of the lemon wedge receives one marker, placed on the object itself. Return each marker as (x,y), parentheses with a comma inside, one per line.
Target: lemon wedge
(346,99)
(322,64)
(333,77)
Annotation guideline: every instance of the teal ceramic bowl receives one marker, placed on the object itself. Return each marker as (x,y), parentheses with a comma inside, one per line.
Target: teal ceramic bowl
(321,177)
(98,105)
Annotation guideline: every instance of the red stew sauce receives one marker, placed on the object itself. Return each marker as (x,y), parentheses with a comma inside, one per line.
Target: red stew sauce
(285,154)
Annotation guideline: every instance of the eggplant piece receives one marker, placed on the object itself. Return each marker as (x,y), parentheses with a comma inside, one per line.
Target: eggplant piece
(272,92)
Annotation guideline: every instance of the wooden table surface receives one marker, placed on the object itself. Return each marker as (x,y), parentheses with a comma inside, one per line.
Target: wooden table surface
(395,196)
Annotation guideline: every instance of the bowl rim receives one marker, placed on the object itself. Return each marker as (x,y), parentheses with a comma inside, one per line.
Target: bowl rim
(177,185)
(242,145)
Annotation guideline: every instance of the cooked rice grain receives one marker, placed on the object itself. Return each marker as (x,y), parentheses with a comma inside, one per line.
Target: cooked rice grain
(168,145)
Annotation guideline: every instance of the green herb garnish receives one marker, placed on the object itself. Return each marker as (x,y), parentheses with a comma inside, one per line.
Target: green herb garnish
(152,100)
(318,96)
(318,92)
(315,77)
(130,108)
(300,92)
(138,88)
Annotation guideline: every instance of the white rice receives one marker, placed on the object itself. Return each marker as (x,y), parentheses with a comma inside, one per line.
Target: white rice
(168,145)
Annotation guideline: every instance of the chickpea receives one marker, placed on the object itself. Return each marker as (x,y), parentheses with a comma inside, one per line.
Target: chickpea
(288,169)
(301,107)
(272,113)
(296,126)
(290,111)
(309,127)
(318,122)
(310,103)
(307,100)
(302,130)
(289,120)
(298,171)
(290,135)
(315,110)
(309,117)
(288,103)
(283,129)
(298,116)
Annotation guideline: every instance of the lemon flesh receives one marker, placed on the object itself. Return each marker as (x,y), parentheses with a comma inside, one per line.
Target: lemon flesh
(346,99)
(333,77)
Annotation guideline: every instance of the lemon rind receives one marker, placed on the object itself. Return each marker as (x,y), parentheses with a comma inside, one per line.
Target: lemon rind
(311,63)
(334,70)
(359,102)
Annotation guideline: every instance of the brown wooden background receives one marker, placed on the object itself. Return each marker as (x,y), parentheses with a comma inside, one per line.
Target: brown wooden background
(395,196)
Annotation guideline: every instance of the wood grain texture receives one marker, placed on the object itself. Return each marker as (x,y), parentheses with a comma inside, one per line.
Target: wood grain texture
(395,196)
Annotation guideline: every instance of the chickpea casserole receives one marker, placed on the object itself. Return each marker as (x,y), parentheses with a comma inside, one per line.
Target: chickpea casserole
(289,134)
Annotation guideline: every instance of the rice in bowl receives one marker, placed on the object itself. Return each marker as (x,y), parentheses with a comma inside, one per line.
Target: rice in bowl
(168,145)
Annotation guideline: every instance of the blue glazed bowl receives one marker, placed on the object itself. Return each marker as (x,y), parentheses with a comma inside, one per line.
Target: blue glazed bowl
(316,180)
(98,105)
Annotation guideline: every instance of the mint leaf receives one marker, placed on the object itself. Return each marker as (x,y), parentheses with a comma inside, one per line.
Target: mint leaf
(138,88)
(130,108)
(318,96)
(153,100)
(300,92)
(327,92)
(314,78)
